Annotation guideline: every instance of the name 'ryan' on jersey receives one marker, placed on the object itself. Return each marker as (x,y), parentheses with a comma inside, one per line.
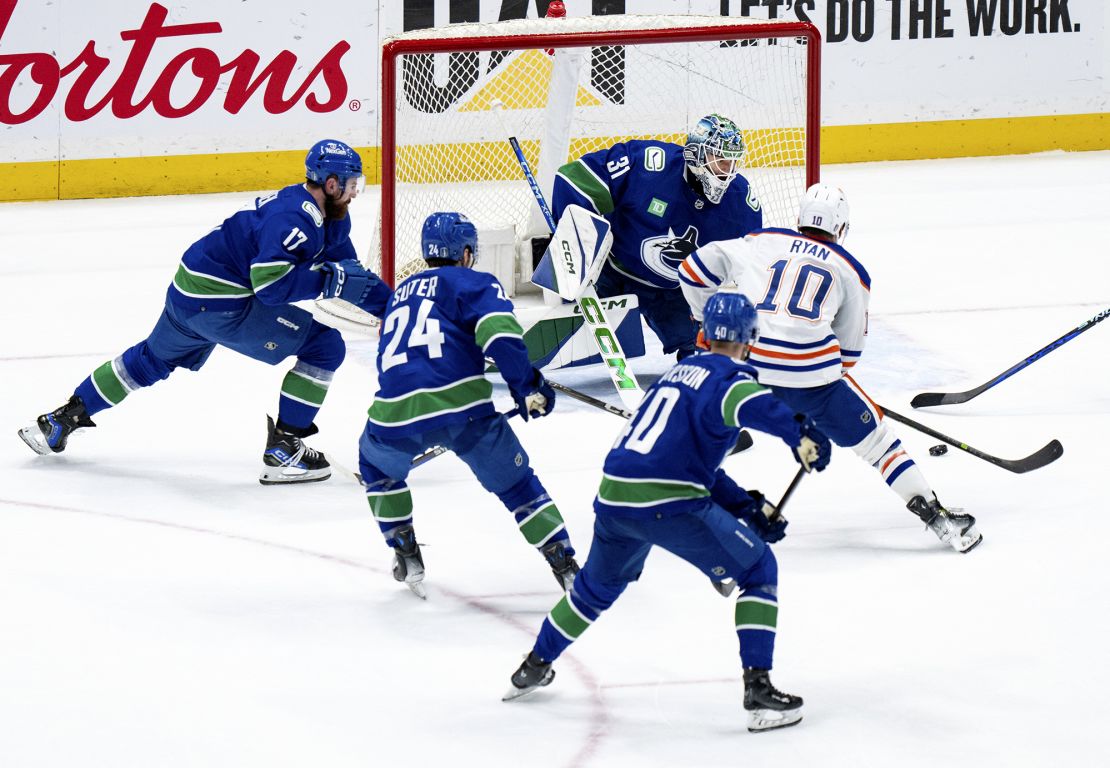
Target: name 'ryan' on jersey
(811,295)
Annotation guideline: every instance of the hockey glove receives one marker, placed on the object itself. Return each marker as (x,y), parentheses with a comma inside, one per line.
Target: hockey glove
(699,336)
(538,401)
(762,517)
(813,450)
(347,280)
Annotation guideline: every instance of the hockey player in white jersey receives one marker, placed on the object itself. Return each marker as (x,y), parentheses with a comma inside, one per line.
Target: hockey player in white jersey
(812,297)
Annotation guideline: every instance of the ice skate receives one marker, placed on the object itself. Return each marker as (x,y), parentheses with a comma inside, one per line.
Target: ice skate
(533,673)
(51,431)
(562,565)
(408,563)
(768,708)
(289,460)
(951,526)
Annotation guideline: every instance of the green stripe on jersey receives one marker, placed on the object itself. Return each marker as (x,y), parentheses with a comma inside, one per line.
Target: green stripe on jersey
(567,620)
(737,395)
(267,273)
(494,325)
(756,613)
(425,404)
(542,524)
(589,185)
(304,390)
(392,505)
(109,384)
(197,284)
(629,492)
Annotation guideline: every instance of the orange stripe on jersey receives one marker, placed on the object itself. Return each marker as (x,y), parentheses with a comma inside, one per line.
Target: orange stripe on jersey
(847,363)
(763,352)
(690,273)
(864,395)
(891,460)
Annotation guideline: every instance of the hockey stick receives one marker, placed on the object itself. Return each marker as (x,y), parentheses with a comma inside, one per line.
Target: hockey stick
(743,443)
(1046,455)
(628,389)
(925,399)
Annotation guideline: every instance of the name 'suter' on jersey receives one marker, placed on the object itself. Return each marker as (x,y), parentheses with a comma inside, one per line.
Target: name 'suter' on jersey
(658,218)
(811,296)
(440,326)
(656,468)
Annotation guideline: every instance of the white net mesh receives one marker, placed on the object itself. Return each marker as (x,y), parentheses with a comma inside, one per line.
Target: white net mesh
(452,151)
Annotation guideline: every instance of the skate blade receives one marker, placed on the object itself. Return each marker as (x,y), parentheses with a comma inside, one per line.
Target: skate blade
(969,541)
(417,588)
(289,476)
(760,720)
(35,440)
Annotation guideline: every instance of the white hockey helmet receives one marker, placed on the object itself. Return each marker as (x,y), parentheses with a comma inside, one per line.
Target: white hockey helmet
(824,207)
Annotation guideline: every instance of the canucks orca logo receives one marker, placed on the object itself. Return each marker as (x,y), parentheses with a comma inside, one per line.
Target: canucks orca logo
(663,254)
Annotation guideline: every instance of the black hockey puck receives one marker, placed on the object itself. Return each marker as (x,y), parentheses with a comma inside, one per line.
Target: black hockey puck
(938,450)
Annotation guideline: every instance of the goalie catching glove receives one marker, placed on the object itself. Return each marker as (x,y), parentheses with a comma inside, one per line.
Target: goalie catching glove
(538,400)
(347,280)
(813,449)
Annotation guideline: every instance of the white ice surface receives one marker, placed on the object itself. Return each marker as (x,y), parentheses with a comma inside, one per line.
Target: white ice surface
(158,607)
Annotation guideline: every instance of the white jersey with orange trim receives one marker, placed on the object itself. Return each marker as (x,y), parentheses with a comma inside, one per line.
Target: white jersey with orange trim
(811,295)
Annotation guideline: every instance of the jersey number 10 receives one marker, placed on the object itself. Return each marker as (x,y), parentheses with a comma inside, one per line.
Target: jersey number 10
(811,286)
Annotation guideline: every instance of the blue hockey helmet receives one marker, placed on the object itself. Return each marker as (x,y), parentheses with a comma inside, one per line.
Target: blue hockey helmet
(730,316)
(330,157)
(446,235)
(712,153)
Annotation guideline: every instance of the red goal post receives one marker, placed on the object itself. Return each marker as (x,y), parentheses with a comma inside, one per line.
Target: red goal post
(569,86)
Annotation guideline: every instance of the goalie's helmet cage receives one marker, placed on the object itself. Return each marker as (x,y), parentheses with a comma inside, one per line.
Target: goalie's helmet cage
(712,140)
(447,235)
(825,208)
(610,79)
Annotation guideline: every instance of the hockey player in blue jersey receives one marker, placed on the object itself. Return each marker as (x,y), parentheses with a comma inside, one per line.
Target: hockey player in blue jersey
(662,486)
(234,288)
(813,297)
(441,325)
(663,200)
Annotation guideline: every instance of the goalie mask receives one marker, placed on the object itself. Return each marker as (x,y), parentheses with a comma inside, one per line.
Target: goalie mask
(825,207)
(712,153)
(334,158)
(447,235)
(730,316)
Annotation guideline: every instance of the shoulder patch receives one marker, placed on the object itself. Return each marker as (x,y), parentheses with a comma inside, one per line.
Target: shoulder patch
(313,210)
(654,159)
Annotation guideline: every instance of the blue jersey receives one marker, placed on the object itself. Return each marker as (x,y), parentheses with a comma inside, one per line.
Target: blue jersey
(658,218)
(440,326)
(267,250)
(667,459)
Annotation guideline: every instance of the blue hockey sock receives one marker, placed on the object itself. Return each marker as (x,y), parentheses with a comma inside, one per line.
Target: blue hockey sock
(567,621)
(541,523)
(757,611)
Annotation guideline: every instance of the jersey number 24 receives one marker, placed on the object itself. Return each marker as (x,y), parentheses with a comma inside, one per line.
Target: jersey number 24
(424,333)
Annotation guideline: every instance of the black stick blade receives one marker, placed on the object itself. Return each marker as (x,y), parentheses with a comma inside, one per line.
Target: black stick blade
(1044,456)
(927,399)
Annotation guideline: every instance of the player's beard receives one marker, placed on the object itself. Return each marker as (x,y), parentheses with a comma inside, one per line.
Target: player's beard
(333,209)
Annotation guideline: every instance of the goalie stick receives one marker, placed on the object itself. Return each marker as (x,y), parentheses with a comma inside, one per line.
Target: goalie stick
(628,389)
(1046,455)
(743,443)
(926,399)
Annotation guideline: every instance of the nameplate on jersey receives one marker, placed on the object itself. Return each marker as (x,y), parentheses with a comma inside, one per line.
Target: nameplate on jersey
(576,253)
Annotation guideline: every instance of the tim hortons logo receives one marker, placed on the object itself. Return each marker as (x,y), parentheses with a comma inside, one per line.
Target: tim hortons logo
(202,66)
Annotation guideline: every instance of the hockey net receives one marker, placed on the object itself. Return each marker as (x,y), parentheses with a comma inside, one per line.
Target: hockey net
(565,87)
